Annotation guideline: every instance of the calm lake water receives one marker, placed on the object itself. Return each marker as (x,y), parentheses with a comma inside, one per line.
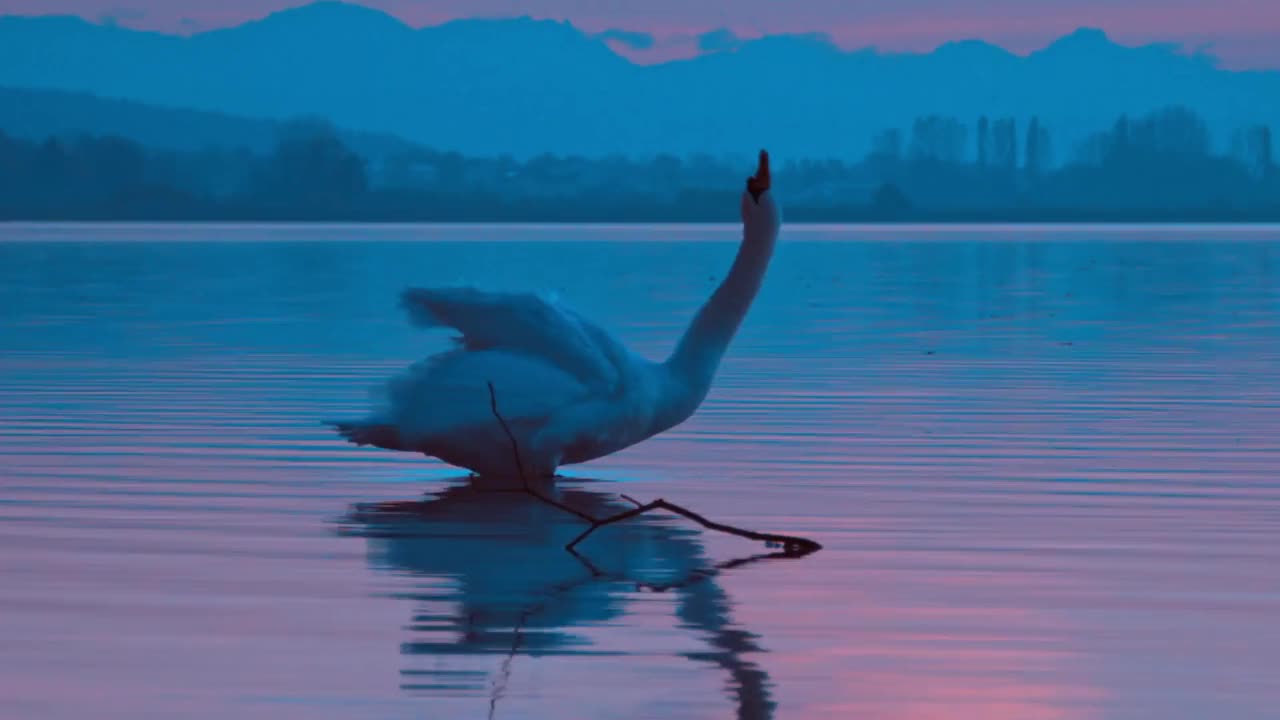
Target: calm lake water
(1043,463)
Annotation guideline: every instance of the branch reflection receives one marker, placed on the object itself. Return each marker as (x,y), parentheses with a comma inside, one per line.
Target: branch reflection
(495,579)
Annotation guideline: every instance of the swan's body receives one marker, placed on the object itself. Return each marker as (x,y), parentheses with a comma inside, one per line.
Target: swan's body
(569,391)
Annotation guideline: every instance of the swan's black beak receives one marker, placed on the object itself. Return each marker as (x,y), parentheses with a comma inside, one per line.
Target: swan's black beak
(757,184)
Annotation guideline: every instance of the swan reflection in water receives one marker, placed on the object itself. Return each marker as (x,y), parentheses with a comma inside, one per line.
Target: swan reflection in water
(502,584)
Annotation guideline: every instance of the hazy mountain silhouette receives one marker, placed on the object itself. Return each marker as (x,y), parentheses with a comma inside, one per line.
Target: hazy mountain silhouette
(525,86)
(37,114)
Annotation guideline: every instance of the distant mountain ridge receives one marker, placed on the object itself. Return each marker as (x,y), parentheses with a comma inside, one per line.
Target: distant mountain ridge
(35,114)
(522,86)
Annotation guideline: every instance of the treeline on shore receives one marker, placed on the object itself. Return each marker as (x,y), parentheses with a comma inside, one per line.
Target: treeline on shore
(1158,167)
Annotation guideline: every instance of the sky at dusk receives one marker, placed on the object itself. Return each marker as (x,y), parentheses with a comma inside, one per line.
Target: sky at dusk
(1242,33)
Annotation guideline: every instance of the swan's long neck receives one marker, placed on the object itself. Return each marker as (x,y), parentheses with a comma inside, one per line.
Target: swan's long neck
(696,357)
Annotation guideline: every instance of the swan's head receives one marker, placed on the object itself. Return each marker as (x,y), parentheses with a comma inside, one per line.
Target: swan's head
(758,206)
(761,181)
(759,212)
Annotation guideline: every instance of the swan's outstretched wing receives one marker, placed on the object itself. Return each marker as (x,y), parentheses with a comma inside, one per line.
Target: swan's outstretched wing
(522,323)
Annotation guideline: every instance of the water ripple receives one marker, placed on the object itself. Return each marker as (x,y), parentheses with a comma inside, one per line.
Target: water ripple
(1043,470)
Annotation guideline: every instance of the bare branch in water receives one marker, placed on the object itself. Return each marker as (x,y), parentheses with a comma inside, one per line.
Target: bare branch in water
(792,546)
(524,478)
(515,447)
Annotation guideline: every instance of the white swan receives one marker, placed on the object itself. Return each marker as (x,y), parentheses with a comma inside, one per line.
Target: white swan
(569,391)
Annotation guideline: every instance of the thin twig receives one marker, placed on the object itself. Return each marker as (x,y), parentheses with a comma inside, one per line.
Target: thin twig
(524,478)
(792,546)
(515,448)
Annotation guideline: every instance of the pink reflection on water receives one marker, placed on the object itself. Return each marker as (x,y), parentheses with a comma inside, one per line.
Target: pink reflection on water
(1019,529)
